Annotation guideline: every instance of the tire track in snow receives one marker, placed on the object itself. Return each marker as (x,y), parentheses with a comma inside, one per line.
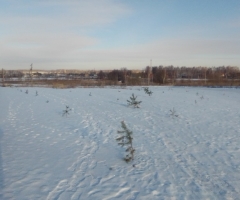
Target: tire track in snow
(86,182)
(197,171)
(190,166)
(83,168)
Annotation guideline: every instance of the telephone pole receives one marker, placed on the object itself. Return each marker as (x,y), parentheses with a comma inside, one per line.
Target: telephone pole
(30,73)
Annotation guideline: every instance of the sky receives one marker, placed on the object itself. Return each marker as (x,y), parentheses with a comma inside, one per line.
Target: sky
(114,34)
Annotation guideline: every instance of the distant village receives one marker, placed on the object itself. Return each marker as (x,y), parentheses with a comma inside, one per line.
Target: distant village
(65,74)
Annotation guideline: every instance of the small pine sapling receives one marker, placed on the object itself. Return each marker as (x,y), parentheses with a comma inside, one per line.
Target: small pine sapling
(26,92)
(125,140)
(66,111)
(147,91)
(36,93)
(133,102)
(150,93)
(173,113)
(90,94)
(202,97)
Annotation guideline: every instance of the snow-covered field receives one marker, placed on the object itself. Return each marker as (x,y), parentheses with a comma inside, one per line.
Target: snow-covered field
(44,155)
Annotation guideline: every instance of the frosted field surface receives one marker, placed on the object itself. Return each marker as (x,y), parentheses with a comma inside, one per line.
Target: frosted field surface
(190,153)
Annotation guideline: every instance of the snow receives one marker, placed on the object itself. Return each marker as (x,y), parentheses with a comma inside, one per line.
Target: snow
(44,155)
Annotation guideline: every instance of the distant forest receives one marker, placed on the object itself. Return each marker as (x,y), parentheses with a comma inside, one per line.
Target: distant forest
(157,75)
(178,75)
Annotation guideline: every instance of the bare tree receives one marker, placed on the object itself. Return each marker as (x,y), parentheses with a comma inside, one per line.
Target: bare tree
(3,82)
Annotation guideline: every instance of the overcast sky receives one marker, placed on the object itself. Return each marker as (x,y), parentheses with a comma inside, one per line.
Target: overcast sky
(111,34)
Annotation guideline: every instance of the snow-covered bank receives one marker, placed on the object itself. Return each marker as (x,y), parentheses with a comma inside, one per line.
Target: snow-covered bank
(46,156)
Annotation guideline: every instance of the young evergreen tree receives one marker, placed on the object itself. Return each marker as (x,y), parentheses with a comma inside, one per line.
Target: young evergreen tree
(133,102)
(66,111)
(125,140)
(173,113)
(147,91)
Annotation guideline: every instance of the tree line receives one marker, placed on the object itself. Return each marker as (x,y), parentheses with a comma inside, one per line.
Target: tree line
(159,75)
(175,75)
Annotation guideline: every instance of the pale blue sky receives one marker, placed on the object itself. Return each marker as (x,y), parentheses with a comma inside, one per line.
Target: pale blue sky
(111,34)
